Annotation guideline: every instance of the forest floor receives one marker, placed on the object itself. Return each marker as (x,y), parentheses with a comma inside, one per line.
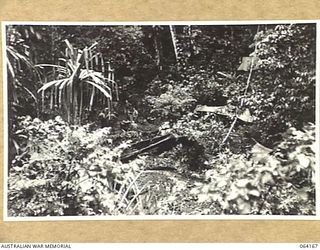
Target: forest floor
(171,186)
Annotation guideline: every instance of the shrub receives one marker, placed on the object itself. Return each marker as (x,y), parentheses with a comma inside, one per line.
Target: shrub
(280,183)
(70,170)
(283,87)
(176,101)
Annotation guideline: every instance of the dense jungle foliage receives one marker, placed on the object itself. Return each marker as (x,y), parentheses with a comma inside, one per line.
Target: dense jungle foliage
(161,120)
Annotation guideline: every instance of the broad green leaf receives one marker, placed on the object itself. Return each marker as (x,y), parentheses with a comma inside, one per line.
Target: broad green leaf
(244,206)
(303,194)
(232,195)
(203,197)
(254,192)
(303,160)
(267,178)
(243,183)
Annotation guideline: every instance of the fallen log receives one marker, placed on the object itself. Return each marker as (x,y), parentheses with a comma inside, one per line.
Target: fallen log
(144,146)
(158,145)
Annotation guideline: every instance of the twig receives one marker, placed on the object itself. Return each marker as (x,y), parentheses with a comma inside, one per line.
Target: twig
(230,129)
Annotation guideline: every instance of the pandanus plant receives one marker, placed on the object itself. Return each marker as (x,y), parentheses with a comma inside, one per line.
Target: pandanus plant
(79,79)
(14,61)
(18,63)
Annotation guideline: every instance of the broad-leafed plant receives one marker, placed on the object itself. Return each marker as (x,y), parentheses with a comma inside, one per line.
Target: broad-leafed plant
(79,77)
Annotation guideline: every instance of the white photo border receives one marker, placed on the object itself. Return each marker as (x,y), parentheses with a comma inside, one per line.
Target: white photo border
(157,217)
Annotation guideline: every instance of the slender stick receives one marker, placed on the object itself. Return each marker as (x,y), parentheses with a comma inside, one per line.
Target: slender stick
(174,42)
(92,97)
(242,100)
(81,101)
(51,98)
(230,129)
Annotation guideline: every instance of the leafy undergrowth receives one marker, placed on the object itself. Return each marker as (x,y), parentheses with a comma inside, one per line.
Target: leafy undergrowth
(69,170)
(282,182)
(74,170)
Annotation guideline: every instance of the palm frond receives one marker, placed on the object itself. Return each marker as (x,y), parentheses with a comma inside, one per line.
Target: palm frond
(11,70)
(19,57)
(65,82)
(31,94)
(52,83)
(80,77)
(106,94)
(50,65)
